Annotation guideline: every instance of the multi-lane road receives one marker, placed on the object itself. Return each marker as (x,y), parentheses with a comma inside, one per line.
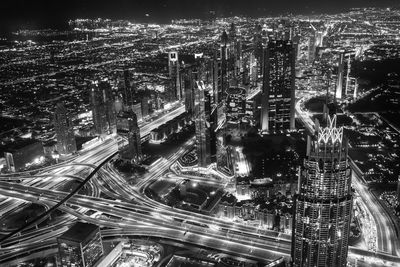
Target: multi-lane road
(132,212)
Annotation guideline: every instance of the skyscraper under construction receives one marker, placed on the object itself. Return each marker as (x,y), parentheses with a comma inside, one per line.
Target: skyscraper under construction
(323,205)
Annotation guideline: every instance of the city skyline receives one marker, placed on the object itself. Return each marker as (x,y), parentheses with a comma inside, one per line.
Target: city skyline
(175,136)
(48,14)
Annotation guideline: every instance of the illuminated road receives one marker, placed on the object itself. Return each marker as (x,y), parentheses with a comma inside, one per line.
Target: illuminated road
(132,212)
(387,240)
(132,217)
(147,128)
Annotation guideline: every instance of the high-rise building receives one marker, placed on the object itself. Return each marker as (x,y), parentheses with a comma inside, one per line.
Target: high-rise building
(145,106)
(339,81)
(205,125)
(323,206)
(174,74)
(398,190)
(127,126)
(64,130)
(277,110)
(188,85)
(235,104)
(127,89)
(80,246)
(103,108)
(311,48)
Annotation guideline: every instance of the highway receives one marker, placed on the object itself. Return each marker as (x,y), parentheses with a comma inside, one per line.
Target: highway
(132,212)
(147,128)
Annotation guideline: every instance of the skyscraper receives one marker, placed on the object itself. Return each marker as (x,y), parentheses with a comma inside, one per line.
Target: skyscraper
(235,104)
(64,130)
(398,189)
(127,90)
(339,81)
(205,125)
(128,127)
(311,47)
(174,74)
(323,206)
(104,117)
(277,110)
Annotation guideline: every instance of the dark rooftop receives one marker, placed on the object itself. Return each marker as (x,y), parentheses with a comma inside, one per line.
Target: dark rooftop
(79,232)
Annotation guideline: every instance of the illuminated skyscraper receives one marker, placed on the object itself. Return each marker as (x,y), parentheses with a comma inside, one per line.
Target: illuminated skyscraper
(339,81)
(127,126)
(323,206)
(205,125)
(311,48)
(277,110)
(174,74)
(80,246)
(235,104)
(104,117)
(64,130)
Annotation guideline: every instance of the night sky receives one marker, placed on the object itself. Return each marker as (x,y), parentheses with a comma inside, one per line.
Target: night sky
(55,13)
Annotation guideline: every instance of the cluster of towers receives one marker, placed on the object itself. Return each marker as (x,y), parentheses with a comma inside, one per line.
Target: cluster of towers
(106,121)
(212,87)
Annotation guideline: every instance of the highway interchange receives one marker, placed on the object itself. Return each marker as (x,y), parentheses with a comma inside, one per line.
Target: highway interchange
(128,211)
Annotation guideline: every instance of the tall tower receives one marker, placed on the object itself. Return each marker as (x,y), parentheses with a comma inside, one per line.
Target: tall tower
(173,68)
(134,143)
(277,111)
(127,90)
(324,204)
(398,189)
(311,48)
(205,125)
(339,81)
(64,130)
(104,116)
(127,126)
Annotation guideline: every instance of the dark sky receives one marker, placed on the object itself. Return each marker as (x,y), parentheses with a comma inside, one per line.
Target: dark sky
(54,13)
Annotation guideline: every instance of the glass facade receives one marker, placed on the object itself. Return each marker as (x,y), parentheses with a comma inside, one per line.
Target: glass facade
(64,130)
(277,113)
(324,204)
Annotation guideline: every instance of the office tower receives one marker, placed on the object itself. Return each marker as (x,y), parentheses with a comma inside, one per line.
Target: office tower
(205,125)
(277,110)
(235,104)
(257,44)
(339,81)
(319,39)
(127,126)
(145,106)
(296,43)
(80,246)
(127,89)
(398,190)
(323,206)
(311,48)
(103,108)
(64,130)
(188,84)
(216,76)
(174,74)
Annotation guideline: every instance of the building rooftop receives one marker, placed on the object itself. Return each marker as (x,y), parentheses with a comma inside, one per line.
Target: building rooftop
(17,145)
(236,90)
(79,232)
